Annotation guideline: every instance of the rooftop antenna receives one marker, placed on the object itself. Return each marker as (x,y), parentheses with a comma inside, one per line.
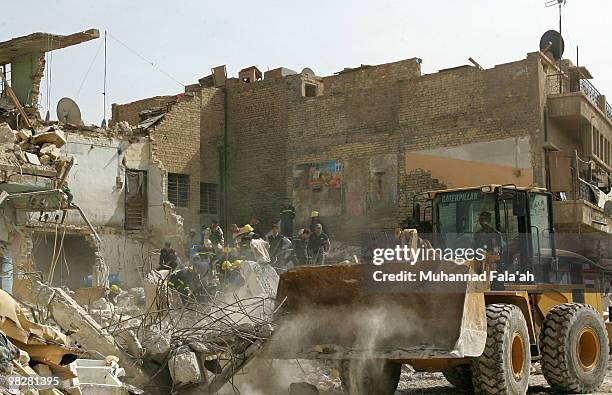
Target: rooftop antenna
(560,4)
(104,93)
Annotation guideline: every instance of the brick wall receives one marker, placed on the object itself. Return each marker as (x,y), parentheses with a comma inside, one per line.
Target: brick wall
(257,143)
(176,143)
(361,116)
(385,109)
(212,128)
(467,105)
(129,111)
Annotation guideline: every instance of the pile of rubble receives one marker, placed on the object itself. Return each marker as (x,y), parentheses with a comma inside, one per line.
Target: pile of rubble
(43,359)
(149,339)
(38,147)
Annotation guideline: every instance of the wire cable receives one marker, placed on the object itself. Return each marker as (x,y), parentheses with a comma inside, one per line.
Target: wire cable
(89,69)
(146,60)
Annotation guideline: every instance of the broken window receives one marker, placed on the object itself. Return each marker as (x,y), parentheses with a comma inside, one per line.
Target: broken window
(310,90)
(208,198)
(178,189)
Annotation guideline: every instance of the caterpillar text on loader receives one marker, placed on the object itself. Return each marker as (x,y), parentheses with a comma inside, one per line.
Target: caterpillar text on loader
(483,335)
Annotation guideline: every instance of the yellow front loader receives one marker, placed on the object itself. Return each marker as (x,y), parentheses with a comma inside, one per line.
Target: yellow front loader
(480,322)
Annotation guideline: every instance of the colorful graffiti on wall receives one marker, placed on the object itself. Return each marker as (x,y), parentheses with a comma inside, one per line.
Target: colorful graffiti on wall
(318,175)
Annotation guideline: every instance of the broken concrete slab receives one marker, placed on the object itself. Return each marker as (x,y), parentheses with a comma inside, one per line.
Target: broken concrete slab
(156,344)
(32,158)
(184,367)
(51,150)
(24,135)
(70,316)
(7,136)
(57,137)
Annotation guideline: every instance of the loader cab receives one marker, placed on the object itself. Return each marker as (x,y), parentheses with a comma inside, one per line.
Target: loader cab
(513,224)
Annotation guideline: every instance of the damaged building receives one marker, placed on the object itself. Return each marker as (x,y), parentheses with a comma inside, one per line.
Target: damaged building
(83,208)
(357,146)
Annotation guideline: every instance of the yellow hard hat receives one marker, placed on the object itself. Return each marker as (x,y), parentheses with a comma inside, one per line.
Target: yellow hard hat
(314,214)
(115,289)
(245,229)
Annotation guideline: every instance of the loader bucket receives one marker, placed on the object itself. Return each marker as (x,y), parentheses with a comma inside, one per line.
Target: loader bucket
(337,312)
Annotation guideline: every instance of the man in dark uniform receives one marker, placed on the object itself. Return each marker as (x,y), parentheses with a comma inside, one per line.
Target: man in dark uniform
(318,245)
(278,244)
(315,220)
(300,248)
(287,214)
(166,256)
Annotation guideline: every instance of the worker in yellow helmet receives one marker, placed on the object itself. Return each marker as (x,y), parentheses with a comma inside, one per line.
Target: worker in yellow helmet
(113,293)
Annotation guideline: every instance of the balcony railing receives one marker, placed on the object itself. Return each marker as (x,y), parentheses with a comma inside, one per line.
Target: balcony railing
(564,83)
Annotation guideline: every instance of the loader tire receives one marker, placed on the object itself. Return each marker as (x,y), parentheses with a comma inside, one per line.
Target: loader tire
(574,347)
(370,377)
(504,366)
(460,377)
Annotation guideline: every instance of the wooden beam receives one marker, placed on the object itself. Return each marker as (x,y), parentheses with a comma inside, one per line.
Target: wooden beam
(15,101)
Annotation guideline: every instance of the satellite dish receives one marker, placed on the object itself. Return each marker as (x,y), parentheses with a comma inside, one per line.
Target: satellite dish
(68,112)
(552,41)
(308,71)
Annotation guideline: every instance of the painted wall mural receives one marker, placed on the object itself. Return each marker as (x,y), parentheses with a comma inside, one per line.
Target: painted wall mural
(320,175)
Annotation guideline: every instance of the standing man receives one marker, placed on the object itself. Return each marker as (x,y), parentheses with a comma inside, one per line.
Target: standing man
(287,214)
(216,235)
(193,242)
(318,245)
(278,243)
(300,248)
(315,220)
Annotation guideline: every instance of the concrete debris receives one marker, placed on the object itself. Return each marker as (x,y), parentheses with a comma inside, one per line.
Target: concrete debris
(8,352)
(7,136)
(52,135)
(73,318)
(23,135)
(51,151)
(156,344)
(33,350)
(184,367)
(41,148)
(122,127)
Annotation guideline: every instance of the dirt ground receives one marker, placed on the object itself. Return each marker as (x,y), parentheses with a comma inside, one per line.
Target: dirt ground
(274,377)
(435,383)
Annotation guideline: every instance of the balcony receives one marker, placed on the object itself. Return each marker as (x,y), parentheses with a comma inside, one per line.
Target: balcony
(571,84)
(581,216)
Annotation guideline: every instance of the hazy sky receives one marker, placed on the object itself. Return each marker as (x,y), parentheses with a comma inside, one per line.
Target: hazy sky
(187,38)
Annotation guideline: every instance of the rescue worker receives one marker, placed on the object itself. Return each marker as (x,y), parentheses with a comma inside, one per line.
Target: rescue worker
(171,261)
(113,294)
(315,220)
(165,254)
(255,249)
(287,215)
(318,245)
(234,230)
(216,235)
(239,235)
(192,242)
(278,244)
(300,248)
(182,280)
